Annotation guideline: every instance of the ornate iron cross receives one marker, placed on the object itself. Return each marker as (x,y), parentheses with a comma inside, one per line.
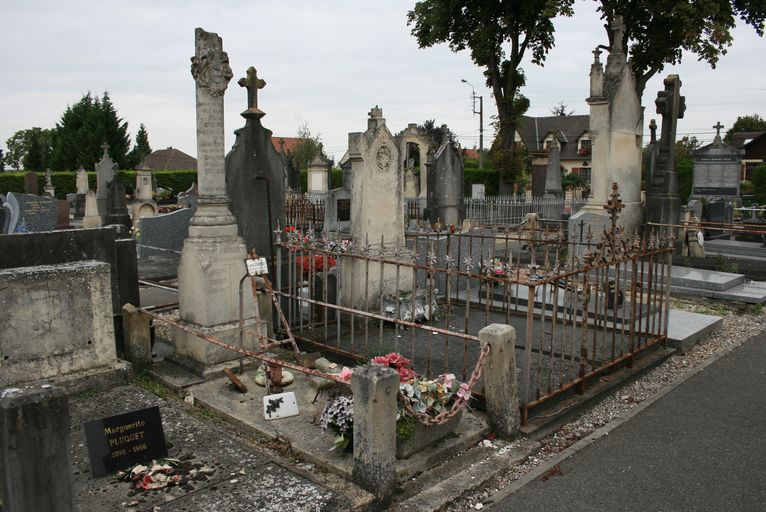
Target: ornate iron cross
(614,205)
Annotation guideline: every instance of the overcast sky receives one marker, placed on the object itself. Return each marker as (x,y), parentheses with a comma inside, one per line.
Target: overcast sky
(325,63)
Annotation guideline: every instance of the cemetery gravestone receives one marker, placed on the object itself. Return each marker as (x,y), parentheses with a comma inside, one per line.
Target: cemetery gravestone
(91,219)
(62,221)
(166,231)
(553,171)
(104,176)
(445,186)
(31,213)
(478,191)
(255,175)
(716,169)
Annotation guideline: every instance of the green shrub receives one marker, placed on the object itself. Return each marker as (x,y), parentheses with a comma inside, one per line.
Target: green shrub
(66,182)
(489,177)
(759,183)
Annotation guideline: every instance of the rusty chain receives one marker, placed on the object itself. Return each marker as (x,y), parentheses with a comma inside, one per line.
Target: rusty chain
(460,402)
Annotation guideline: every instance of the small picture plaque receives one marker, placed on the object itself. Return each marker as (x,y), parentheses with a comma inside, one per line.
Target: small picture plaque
(257,267)
(120,441)
(280,405)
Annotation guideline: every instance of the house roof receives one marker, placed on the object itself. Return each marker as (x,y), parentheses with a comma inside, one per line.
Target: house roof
(288,143)
(170,159)
(470,153)
(739,139)
(567,129)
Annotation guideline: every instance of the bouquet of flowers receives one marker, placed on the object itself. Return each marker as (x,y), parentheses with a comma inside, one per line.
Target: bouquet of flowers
(424,396)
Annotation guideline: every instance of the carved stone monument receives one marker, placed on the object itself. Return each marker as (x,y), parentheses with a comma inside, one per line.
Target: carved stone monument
(144,204)
(338,205)
(212,259)
(104,176)
(616,127)
(255,175)
(49,184)
(82,188)
(91,218)
(716,169)
(377,212)
(553,171)
(317,176)
(663,203)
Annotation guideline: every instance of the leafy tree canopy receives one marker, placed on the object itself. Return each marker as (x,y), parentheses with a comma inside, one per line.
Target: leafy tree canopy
(308,147)
(29,149)
(659,31)
(82,130)
(499,35)
(753,123)
(142,147)
(561,110)
(436,133)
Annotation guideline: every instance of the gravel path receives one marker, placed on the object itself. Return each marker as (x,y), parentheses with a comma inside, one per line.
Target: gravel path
(738,326)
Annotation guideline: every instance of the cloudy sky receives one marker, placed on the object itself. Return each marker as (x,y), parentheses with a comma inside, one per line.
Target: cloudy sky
(325,63)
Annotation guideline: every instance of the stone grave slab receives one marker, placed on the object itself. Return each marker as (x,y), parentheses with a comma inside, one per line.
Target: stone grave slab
(164,233)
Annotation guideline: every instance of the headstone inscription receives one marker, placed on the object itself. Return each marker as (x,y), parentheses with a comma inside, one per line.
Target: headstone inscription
(121,441)
(478,191)
(716,169)
(32,213)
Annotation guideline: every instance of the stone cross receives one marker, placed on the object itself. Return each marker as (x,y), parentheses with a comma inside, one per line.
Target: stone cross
(618,33)
(671,105)
(252,83)
(596,55)
(653,130)
(718,127)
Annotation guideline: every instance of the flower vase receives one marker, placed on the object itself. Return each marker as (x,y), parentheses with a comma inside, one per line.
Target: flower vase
(426,435)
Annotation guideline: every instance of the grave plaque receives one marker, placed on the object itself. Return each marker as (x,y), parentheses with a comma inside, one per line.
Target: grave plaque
(121,441)
(344,210)
(716,169)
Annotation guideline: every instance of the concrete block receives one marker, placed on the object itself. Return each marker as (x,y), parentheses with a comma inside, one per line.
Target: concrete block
(57,319)
(35,468)
(137,336)
(375,390)
(500,387)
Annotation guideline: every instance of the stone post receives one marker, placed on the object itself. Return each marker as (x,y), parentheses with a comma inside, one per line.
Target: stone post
(137,335)
(375,390)
(500,386)
(35,468)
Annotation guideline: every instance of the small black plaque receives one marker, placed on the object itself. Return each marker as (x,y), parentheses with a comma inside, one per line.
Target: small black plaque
(715,191)
(344,210)
(120,441)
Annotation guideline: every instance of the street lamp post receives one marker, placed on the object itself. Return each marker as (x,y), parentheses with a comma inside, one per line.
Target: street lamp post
(481,120)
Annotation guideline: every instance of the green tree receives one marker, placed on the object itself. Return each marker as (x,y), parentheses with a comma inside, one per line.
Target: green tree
(499,35)
(82,130)
(759,184)
(572,180)
(308,147)
(561,110)
(29,149)
(142,147)
(436,134)
(685,165)
(657,32)
(753,123)
(2,161)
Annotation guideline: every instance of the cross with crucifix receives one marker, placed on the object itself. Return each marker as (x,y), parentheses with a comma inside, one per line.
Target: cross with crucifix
(618,33)
(718,127)
(614,205)
(252,83)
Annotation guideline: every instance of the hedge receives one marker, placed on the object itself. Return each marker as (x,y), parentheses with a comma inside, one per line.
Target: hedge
(65,182)
(489,177)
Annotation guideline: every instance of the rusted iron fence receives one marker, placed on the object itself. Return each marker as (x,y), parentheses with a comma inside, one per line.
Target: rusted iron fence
(580,306)
(305,211)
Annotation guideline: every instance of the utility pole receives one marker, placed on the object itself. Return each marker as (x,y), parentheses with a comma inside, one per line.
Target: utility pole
(481,120)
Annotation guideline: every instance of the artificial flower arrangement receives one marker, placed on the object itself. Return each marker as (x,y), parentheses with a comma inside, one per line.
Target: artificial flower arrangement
(424,396)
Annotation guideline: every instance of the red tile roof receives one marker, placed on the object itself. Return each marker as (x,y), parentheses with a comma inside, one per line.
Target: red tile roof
(288,143)
(170,159)
(470,153)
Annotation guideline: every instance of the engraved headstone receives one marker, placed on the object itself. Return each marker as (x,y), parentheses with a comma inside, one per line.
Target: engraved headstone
(35,213)
(118,210)
(81,182)
(165,232)
(49,183)
(478,191)
(62,220)
(144,186)
(716,169)
(553,171)
(213,255)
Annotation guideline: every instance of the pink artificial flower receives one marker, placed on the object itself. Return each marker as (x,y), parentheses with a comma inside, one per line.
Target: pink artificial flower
(448,379)
(345,374)
(464,392)
(405,374)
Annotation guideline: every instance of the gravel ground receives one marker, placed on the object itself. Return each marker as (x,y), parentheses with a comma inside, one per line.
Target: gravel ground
(738,326)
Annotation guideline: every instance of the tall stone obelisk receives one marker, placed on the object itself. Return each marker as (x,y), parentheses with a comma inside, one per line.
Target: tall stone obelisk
(212,259)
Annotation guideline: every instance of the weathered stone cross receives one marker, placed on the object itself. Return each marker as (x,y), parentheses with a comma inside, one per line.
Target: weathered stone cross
(718,127)
(653,130)
(596,55)
(252,83)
